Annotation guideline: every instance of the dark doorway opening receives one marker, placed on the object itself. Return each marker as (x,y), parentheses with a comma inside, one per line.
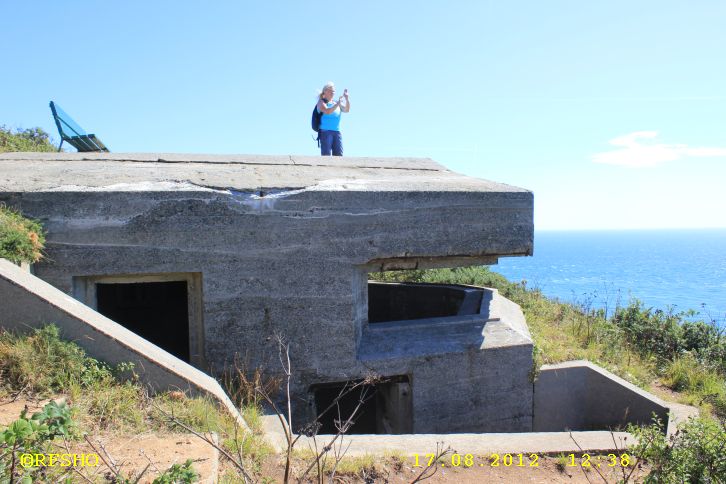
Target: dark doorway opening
(386,407)
(156,311)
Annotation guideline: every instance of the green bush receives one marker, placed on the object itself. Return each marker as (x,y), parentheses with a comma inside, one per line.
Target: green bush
(668,336)
(32,435)
(21,239)
(178,473)
(706,342)
(473,276)
(695,453)
(656,332)
(31,139)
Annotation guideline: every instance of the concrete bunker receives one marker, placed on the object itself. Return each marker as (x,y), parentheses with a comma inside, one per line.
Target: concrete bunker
(283,245)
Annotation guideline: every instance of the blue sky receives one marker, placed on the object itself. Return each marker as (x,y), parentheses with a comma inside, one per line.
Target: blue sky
(613,113)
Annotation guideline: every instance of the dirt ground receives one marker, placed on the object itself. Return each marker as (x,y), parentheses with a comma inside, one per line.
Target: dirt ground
(547,471)
(131,454)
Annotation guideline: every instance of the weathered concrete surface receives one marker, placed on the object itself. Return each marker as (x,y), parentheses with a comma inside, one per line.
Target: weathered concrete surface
(283,245)
(28,302)
(144,171)
(551,443)
(463,365)
(579,395)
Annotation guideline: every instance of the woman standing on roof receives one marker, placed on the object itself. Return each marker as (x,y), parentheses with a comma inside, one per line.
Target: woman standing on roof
(331,141)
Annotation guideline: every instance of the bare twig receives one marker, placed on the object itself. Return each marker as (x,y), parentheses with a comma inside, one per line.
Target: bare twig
(73,468)
(342,425)
(117,468)
(148,459)
(637,462)
(342,428)
(141,474)
(430,471)
(338,453)
(110,462)
(236,440)
(582,468)
(287,369)
(622,469)
(17,394)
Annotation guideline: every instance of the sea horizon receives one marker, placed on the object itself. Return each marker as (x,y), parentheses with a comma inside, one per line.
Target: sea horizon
(667,269)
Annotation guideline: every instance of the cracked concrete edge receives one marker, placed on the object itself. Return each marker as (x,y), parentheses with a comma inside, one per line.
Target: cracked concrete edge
(399,163)
(35,303)
(20,172)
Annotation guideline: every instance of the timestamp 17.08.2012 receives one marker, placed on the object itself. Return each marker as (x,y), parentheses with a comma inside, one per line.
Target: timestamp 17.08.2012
(517,460)
(471,460)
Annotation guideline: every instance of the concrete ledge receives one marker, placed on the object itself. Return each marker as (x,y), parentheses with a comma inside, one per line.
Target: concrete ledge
(579,395)
(482,444)
(141,171)
(29,302)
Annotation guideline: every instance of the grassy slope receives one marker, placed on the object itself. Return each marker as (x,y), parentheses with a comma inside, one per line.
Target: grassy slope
(41,364)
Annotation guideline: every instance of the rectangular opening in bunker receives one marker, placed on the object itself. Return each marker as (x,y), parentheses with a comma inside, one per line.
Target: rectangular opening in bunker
(164,308)
(411,301)
(156,311)
(382,408)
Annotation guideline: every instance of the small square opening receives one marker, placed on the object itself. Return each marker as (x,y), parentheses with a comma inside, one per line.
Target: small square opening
(385,408)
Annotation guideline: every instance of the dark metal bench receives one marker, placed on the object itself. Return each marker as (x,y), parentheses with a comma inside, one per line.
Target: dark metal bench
(72,133)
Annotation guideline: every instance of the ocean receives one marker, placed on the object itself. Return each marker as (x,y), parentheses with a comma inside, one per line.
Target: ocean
(665,269)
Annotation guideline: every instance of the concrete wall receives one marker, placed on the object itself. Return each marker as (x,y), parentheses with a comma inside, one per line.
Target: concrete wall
(469,374)
(579,395)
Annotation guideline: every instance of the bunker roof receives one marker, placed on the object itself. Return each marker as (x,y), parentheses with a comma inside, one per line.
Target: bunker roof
(41,172)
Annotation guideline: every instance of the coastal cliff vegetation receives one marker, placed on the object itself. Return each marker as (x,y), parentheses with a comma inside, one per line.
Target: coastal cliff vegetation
(30,139)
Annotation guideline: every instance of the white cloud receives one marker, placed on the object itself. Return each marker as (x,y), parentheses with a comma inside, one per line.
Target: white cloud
(634,153)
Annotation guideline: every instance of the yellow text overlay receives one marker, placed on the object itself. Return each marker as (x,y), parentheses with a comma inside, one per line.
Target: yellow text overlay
(59,460)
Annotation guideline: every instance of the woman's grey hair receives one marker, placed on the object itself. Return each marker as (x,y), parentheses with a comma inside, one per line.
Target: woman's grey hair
(328,85)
